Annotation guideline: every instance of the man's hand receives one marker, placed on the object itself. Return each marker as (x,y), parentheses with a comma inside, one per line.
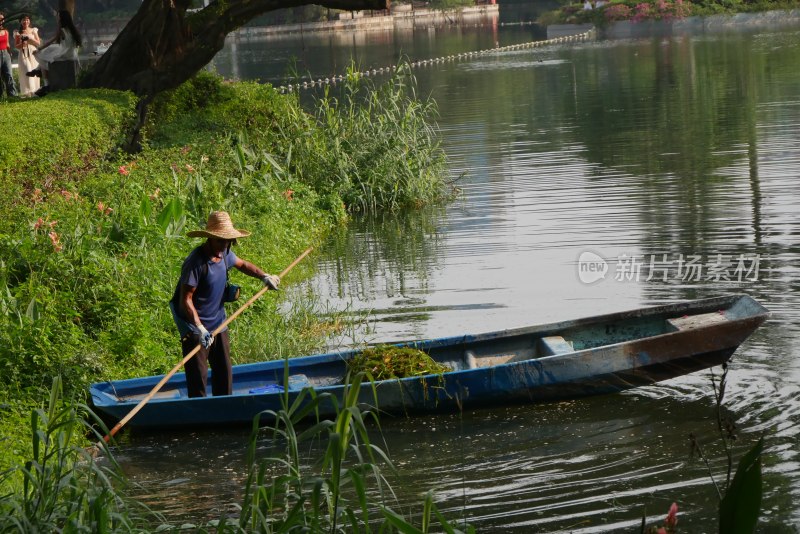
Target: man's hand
(271,280)
(206,339)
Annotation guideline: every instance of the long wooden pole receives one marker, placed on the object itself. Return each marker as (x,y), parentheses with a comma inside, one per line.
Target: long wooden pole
(189,356)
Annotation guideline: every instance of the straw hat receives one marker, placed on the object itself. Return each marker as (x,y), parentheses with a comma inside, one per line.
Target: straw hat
(219,225)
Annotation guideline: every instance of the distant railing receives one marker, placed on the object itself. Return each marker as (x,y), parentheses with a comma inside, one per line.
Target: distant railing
(589,35)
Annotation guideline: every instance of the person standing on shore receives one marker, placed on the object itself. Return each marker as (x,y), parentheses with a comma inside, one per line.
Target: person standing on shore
(27,41)
(198,303)
(6,79)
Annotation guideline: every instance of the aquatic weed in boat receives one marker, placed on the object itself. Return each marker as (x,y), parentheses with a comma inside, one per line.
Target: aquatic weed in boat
(383,362)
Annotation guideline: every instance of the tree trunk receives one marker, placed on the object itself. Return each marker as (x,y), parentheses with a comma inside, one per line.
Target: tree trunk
(67,5)
(162,46)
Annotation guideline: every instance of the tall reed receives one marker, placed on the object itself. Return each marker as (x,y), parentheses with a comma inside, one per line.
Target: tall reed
(336,485)
(373,146)
(62,488)
(383,143)
(345,490)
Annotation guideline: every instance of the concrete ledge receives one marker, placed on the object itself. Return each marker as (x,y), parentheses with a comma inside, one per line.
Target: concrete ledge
(358,21)
(625,29)
(767,20)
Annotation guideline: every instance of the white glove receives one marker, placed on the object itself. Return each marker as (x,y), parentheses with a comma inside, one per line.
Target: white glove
(206,339)
(271,280)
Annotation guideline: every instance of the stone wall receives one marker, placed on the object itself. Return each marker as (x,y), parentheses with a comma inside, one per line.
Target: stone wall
(362,21)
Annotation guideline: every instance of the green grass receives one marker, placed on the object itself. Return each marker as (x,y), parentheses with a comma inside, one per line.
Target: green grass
(92,239)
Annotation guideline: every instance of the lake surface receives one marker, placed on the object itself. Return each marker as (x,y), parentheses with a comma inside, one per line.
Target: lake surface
(672,150)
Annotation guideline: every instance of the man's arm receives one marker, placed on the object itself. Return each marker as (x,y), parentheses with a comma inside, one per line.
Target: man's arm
(187,305)
(248,268)
(271,280)
(187,292)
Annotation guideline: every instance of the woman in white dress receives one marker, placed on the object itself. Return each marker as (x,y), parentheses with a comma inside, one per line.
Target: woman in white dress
(27,41)
(63,47)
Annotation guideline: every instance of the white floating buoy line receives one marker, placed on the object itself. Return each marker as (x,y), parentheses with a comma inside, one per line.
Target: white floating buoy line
(453,57)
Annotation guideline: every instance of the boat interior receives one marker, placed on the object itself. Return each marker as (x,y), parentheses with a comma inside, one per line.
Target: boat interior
(573,338)
(477,351)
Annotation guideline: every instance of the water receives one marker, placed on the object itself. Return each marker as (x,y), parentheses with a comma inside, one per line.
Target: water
(681,147)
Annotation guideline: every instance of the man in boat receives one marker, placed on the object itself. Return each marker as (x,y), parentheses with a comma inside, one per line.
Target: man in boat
(198,303)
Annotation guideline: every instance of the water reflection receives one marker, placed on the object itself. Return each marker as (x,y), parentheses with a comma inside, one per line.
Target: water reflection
(314,55)
(686,145)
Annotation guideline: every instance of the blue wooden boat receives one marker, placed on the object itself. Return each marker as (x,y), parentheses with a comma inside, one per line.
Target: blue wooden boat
(551,362)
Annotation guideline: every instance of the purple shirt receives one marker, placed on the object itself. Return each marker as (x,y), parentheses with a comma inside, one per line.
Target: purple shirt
(209,279)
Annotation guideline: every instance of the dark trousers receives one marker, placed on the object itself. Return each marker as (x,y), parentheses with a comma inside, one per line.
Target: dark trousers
(218,355)
(6,79)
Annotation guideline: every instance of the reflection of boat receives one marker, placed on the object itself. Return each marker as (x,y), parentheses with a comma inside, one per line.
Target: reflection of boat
(565,360)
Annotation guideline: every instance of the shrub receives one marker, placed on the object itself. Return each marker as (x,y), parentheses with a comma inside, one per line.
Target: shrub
(616,12)
(65,137)
(620,10)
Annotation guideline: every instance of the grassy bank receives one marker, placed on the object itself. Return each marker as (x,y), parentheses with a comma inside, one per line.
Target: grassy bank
(91,238)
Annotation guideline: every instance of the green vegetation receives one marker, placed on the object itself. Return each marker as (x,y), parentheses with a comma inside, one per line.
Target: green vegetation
(387,361)
(328,477)
(379,144)
(634,10)
(740,498)
(91,239)
(344,491)
(63,489)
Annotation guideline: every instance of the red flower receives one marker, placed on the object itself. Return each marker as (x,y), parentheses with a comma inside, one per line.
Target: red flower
(123,170)
(672,517)
(54,239)
(38,224)
(289,194)
(102,208)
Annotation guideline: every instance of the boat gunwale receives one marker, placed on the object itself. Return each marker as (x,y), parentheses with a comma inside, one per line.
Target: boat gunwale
(761,315)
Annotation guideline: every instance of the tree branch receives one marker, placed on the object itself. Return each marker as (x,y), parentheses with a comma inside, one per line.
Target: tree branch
(161,47)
